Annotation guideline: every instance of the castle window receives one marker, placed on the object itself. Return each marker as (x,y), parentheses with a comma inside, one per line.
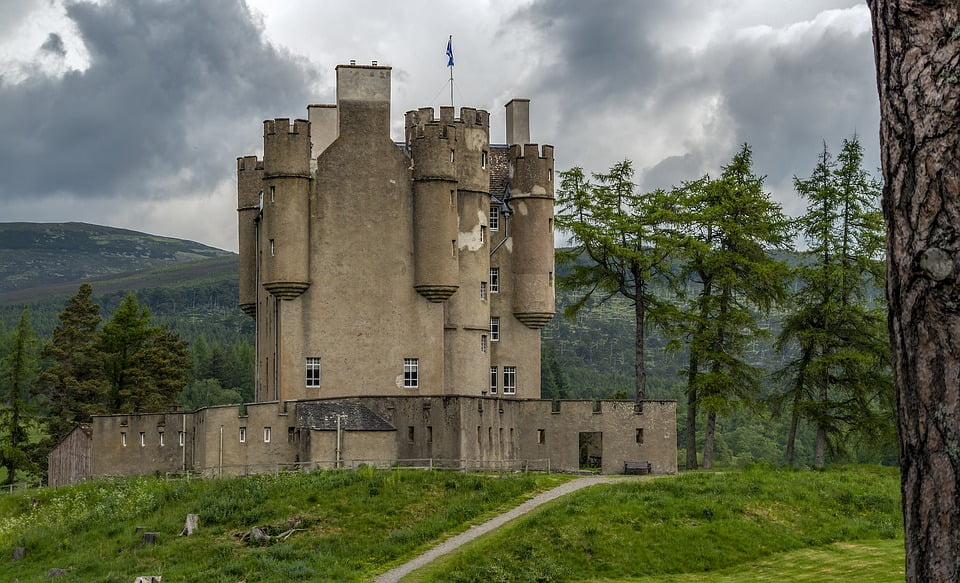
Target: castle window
(495,329)
(483,159)
(313,371)
(266,435)
(478,434)
(639,435)
(453,245)
(273,248)
(123,438)
(483,343)
(243,435)
(509,380)
(161,439)
(541,436)
(453,198)
(550,226)
(410,433)
(483,234)
(494,217)
(494,280)
(411,373)
(493,380)
(273,194)
(429,434)
(143,439)
(453,157)
(483,290)
(181,438)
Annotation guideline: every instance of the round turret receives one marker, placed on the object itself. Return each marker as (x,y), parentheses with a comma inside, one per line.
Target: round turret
(249,191)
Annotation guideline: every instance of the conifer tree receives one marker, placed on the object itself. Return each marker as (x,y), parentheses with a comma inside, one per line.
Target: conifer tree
(840,379)
(732,227)
(74,381)
(628,239)
(18,376)
(145,365)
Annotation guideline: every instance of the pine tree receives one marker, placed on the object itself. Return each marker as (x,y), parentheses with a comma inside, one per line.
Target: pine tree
(74,381)
(146,365)
(732,227)
(18,375)
(840,380)
(627,237)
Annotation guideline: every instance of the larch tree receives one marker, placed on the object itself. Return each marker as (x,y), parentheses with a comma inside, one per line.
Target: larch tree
(18,375)
(917,50)
(74,379)
(732,228)
(627,240)
(839,379)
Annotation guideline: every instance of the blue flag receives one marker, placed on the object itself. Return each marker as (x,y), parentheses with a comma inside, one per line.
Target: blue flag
(450,51)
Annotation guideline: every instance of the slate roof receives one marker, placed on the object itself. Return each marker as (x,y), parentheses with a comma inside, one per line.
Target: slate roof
(322,416)
(499,168)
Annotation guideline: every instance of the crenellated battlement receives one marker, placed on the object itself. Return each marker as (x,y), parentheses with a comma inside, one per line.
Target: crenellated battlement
(281,124)
(530,151)
(249,164)
(469,117)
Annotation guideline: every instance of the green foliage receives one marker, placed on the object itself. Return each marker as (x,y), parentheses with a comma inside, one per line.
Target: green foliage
(732,228)
(18,375)
(355,524)
(146,365)
(694,523)
(627,238)
(840,380)
(74,379)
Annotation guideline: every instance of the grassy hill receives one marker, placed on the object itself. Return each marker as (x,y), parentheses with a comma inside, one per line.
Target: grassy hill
(188,286)
(354,525)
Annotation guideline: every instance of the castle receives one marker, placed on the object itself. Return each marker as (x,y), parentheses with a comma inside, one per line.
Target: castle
(398,291)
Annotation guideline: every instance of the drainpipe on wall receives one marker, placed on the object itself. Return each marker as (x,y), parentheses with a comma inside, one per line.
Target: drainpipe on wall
(220,453)
(183,449)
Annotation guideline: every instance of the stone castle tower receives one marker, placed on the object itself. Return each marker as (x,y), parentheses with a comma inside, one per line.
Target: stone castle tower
(377,269)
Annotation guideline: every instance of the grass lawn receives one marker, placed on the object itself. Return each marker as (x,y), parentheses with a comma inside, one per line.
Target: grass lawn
(699,526)
(356,524)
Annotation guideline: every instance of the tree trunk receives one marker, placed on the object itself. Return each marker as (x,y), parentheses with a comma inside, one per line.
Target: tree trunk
(820,449)
(639,310)
(917,49)
(691,429)
(792,436)
(708,438)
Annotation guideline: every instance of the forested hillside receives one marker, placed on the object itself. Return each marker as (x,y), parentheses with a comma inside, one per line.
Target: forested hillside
(587,356)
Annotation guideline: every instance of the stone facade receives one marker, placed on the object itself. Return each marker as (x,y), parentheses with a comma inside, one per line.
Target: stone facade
(398,291)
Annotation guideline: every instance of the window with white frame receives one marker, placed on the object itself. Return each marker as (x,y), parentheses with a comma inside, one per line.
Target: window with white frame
(411,373)
(181,438)
(483,343)
(483,290)
(495,329)
(483,159)
(266,435)
(161,439)
(313,371)
(243,435)
(509,380)
(494,280)
(483,234)
(123,438)
(494,217)
(143,439)
(493,380)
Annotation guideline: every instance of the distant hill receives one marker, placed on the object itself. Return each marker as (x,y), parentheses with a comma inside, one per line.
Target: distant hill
(188,286)
(37,255)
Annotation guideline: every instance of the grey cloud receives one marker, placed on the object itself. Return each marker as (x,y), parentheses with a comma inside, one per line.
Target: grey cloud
(783,98)
(175,88)
(54,45)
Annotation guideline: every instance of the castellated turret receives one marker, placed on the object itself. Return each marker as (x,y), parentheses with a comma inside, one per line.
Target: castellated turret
(435,219)
(531,190)
(249,193)
(286,207)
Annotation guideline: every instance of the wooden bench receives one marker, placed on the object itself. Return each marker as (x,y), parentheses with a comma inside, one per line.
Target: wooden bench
(636,467)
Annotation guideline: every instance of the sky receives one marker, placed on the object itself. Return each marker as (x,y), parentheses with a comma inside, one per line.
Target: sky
(131,113)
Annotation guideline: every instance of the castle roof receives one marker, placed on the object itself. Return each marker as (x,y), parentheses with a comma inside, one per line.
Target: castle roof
(322,416)
(499,168)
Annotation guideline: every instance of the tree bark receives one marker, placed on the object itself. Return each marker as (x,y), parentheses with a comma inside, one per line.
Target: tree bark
(691,429)
(709,431)
(917,50)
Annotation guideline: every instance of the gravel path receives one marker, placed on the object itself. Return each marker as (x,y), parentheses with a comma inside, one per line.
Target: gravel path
(394,575)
